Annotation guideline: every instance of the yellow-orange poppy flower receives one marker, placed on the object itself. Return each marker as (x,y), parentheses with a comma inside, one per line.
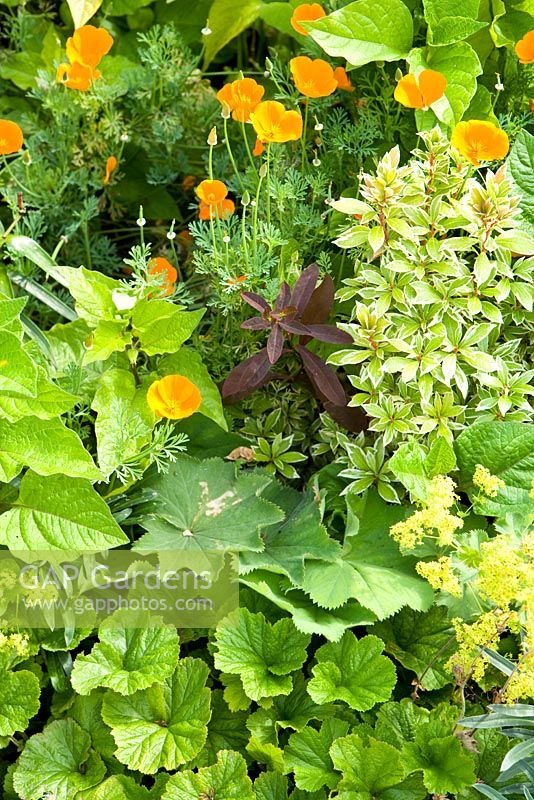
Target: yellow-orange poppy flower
(313,77)
(258,148)
(343,80)
(478,141)
(162,267)
(273,123)
(241,97)
(211,192)
(221,210)
(76,76)
(174,397)
(88,45)
(11,138)
(525,48)
(111,166)
(420,91)
(236,281)
(307,12)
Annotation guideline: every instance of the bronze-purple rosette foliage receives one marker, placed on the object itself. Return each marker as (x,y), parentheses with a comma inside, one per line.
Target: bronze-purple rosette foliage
(297,318)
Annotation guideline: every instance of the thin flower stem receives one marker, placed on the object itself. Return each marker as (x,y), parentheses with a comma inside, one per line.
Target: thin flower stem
(7,167)
(231,155)
(247,145)
(210,163)
(255,217)
(268,163)
(304,133)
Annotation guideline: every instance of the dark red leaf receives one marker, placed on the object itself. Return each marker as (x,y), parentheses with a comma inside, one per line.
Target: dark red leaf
(255,300)
(295,327)
(303,289)
(318,309)
(324,380)
(255,324)
(275,343)
(329,333)
(246,377)
(353,419)
(284,296)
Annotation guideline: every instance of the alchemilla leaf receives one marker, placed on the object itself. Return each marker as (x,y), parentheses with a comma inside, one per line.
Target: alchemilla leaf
(263,655)
(58,763)
(127,659)
(354,671)
(225,780)
(165,725)
(19,700)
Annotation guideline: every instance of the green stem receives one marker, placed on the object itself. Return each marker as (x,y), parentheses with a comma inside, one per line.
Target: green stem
(231,155)
(247,145)
(304,134)
(268,163)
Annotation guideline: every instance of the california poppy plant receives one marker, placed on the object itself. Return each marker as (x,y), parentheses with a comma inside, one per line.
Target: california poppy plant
(241,97)
(343,80)
(76,76)
(478,141)
(525,48)
(422,90)
(88,46)
(11,138)
(313,77)
(111,166)
(174,397)
(307,12)
(221,210)
(258,148)
(168,274)
(211,192)
(273,123)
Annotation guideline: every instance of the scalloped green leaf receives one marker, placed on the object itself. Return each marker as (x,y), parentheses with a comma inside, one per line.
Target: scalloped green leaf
(19,700)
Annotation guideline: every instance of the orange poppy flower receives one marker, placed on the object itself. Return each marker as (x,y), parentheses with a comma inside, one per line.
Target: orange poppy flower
(221,210)
(11,138)
(258,148)
(478,141)
(236,281)
(343,80)
(273,123)
(307,12)
(173,397)
(188,182)
(160,266)
(313,78)
(211,192)
(76,76)
(88,45)
(241,97)
(420,91)
(111,166)
(525,48)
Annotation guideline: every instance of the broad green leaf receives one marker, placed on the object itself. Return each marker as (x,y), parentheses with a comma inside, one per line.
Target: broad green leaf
(384,580)
(58,762)
(278,15)
(419,642)
(408,466)
(368,768)
(307,616)
(226,20)
(263,655)
(506,449)
(520,165)
(189,363)
(307,754)
(480,107)
(445,764)
(227,730)
(19,700)
(46,446)
(124,421)
(92,292)
(47,401)
(162,726)
(329,584)
(83,10)
(10,311)
(109,336)
(225,780)
(364,31)
(206,506)
(299,537)
(441,458)
(127,659)
(451,21)
(87,712)
(162,327)
(398,723)
(28,248)
(122,787)
(354,671)
(270,785)
(60,513)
